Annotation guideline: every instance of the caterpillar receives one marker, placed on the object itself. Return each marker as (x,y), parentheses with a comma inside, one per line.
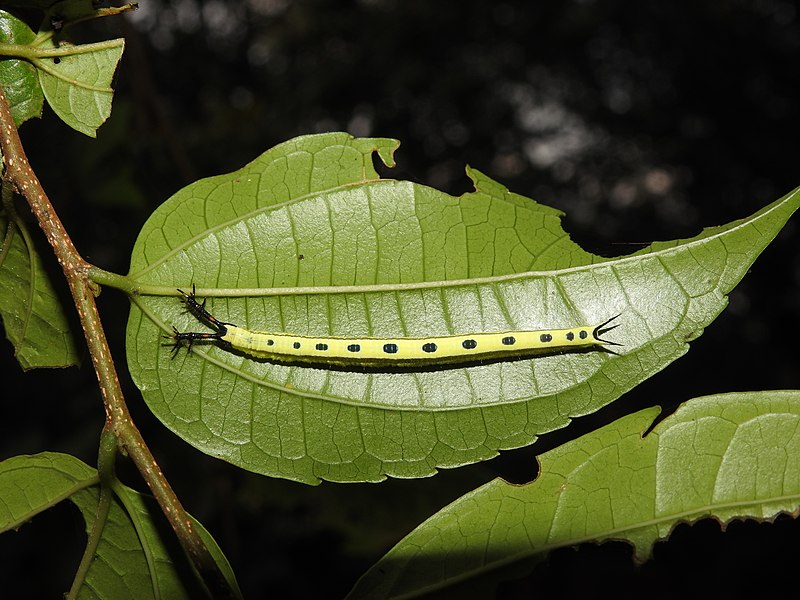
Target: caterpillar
(388,352)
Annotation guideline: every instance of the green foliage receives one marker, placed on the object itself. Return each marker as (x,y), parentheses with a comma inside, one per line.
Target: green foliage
(310,240)
(76,80)
(33,317)
(267,243)
(134,557)
(77,84)
(727,456)
(18,77)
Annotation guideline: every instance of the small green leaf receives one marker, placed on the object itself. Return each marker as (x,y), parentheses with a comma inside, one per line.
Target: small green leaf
(308,240)
(32,484)
(137,555)
(77,82)
(730,456)
(32,315)
(18,77)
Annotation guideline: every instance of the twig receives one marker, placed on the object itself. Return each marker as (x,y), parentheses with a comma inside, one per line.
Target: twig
(118,420)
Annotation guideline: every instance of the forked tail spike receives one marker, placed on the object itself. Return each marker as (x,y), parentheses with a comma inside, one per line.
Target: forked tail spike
(603,328)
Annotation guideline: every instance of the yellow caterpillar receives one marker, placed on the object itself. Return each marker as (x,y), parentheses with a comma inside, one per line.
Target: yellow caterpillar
(389,352)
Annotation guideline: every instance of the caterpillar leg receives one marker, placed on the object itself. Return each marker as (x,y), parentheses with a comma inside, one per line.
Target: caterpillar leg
(187,339)
(198,309)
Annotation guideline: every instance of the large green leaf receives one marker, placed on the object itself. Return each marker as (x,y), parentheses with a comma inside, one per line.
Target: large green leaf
(307,239)
(137,555)
(32,315)
(728,456)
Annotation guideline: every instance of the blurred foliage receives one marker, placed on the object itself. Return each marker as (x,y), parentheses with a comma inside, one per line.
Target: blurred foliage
(641,121)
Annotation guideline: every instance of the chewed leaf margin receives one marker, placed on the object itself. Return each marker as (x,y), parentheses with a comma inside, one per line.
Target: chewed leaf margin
(383,258)
(728,456)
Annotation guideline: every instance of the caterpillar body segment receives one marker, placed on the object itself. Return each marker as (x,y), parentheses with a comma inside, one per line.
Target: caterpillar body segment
(390,352)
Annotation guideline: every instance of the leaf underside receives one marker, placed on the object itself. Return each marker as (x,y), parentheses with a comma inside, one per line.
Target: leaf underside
(18,77)
(78,86)
(728,456)
(75,79)
(32,315)
(137,555)
(266,243)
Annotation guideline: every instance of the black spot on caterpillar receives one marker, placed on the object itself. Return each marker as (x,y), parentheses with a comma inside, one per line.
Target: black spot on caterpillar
(448,350)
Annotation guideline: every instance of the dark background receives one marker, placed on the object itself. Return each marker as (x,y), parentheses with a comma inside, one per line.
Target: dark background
(640,120)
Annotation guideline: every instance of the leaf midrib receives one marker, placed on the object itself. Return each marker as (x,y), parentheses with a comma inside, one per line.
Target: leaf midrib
(425,285)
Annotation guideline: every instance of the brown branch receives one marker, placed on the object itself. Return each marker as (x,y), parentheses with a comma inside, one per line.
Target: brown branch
(19,173)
